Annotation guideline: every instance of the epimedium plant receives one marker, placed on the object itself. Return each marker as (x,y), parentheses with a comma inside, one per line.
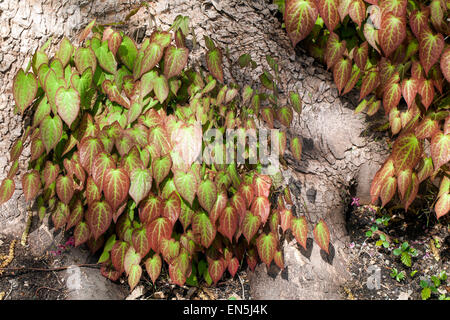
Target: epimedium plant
(113,143)
(394,52)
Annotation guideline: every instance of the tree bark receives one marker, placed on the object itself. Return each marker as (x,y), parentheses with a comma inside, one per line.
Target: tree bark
(338,152)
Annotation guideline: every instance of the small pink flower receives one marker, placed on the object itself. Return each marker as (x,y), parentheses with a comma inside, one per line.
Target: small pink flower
(351,245)
(355,202)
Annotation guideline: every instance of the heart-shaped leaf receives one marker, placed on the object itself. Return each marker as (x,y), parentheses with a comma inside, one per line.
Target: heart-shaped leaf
(68,104)
(116,184)
(322,235)
(175,59)
(267,247)
(24,89)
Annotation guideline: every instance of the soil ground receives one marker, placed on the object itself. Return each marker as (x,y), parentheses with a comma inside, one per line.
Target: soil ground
(429,237)
(423,233)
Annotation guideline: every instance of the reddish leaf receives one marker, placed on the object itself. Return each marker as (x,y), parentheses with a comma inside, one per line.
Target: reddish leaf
(409,90)
(279,260)
(391,96)
(140,241)
(392,32)
(207,195)
(100,217)
(299,17)
(81,233)
(357,11)
(426,91)
(214,63)
(262,184)
(329,13)
(64,188)
(158,229)
(430,48)
(341,73)
(267,247)
(89,148)
(445,63)
(216,269)
(60,215)
(406,152)
(411,192)
(102,162)
(228,222)
(286,219)
(440,149)
(261,208)
(361,55)
(219,205)
(296,148)
(31,184)
(150,208)
(370,81)
(426,128)
(172,208)
(118,252)
(116,184)
(233,266)
(134,275)
(404,180)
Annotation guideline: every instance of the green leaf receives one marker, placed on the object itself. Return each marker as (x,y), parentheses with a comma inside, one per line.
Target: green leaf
(207,195)
(406,152)
(85,58)
(140,241)
(440,149)
(203,227)
(127,52)
(296,102)
(267,247)
(64,52)
(175,59)
(296,148)
(134,276)
(250,225)
(161,88)
(300,230)
(186,184)
(153,266)
(68,104)
(106,58)
(24,89)
(161,168)
(31,184)
(140,184)
(322,235)
(406,259)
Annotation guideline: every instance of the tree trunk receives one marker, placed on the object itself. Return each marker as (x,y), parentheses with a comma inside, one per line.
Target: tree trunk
(338,155)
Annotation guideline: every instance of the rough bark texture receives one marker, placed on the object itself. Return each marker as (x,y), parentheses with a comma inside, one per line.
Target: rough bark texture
(336,154)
